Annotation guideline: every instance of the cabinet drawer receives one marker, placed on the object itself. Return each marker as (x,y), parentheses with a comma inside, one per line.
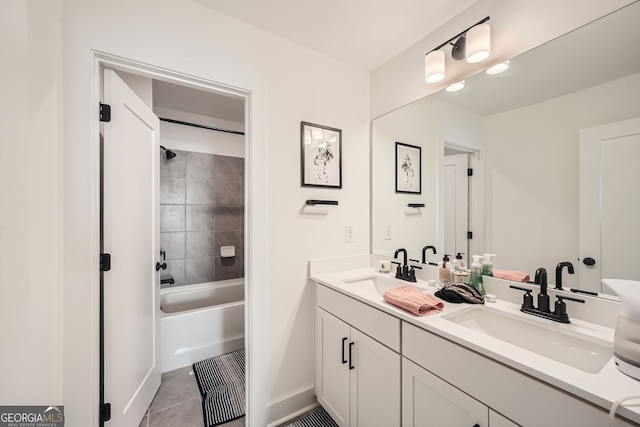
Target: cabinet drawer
(373,322)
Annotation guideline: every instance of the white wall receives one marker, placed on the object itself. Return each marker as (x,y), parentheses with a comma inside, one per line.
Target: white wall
(30,194)
(288,84)
(516,26)
(427,123)
(532,174)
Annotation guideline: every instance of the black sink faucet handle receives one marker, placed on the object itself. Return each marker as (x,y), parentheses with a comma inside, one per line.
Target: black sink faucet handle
(527,300)
(560,310)
(398,269)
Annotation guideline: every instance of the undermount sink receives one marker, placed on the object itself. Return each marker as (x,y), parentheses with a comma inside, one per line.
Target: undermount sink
(580,351)
(378,284)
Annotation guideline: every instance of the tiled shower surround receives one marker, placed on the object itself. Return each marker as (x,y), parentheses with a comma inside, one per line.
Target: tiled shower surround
(201,209)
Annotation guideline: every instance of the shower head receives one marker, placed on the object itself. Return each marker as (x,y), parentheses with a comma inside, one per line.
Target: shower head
(170,154)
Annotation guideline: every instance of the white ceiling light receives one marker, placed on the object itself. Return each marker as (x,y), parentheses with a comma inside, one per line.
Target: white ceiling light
(434,66)
(455,87)
(478,43)
(498,68)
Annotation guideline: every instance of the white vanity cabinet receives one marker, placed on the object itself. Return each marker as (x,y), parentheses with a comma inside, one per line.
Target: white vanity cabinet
(452,374)
(357,373)
(427,400)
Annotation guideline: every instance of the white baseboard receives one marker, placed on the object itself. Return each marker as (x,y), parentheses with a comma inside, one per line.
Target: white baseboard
(291,406)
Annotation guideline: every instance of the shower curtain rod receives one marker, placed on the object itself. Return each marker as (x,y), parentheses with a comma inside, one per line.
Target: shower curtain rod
(195,125)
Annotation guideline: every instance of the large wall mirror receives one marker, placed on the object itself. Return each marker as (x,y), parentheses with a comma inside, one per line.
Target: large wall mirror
(521,132)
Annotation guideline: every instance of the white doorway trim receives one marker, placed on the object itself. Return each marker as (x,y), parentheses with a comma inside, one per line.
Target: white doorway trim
(102,59)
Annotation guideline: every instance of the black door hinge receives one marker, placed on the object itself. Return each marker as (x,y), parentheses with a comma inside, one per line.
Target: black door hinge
(470,172)
(105,262)
(469,234)
(105,412)
(105,112)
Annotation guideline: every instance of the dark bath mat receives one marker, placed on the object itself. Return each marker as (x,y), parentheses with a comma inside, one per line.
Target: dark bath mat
(318,418)
(221,382)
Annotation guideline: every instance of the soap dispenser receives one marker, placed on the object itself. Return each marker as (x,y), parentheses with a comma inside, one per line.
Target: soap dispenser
(487,265)
(476,275)
(443,272)
(460,265)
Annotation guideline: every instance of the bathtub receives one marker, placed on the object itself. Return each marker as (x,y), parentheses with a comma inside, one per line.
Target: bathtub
(200,321)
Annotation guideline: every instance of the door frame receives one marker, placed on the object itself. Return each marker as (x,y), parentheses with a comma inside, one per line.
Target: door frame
(117,63)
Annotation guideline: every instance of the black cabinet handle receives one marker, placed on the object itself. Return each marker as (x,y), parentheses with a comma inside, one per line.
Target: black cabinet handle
(343,359)
(350,356)
(476,425)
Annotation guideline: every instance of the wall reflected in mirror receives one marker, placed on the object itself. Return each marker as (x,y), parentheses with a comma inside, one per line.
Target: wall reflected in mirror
(522,130)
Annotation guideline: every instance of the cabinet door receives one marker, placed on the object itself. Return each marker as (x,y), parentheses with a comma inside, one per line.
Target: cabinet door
(332,386)
(375,383)
(497,420)
(429,401)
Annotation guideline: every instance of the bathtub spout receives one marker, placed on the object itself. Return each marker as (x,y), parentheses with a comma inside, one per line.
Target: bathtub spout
(169,281)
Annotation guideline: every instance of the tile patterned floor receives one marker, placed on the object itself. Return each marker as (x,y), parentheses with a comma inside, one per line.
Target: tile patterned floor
(178,403)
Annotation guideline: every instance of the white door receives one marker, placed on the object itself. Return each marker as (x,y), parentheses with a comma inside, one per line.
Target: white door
(456,205)
(332,388)
(609,206)
(375,383)
(429,401)
(131,235)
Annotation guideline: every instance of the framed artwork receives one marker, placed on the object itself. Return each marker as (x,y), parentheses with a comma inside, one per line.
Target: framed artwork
(408,168)
(321,151)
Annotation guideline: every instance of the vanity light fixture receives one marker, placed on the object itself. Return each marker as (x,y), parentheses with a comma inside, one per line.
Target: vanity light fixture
(455,87)
(498,68)
(472,44)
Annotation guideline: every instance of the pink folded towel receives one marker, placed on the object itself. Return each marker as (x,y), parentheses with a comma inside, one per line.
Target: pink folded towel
(516,276)
(414,301)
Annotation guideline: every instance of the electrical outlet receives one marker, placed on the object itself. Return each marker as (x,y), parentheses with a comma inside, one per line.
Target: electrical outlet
(348,233)
(387,232)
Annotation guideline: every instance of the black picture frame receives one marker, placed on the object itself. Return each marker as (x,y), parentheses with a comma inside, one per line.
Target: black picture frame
(408,168)
(320,156)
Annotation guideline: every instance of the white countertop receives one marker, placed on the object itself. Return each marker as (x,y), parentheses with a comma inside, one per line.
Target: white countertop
(602,388)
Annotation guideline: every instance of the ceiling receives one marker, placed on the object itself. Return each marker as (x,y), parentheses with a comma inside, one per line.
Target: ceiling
(363,33)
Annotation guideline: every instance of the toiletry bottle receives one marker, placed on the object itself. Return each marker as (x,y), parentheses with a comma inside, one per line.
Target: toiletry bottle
(487,265)
(443,272)
(460,265)
(476,274)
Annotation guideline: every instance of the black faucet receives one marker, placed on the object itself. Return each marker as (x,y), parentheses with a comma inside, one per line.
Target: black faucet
(424,254)
(560,312)
(559,272)
(543,297)
(403,271)
(169,281)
